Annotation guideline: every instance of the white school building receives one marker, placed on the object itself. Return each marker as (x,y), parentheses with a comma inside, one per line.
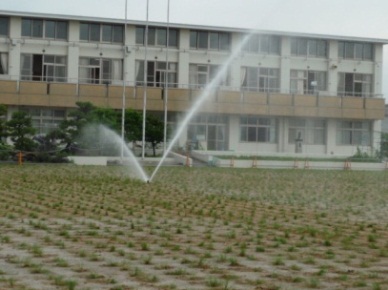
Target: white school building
(283,93)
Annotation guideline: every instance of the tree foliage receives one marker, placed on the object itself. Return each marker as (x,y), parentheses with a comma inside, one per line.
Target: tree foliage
(384,145)
(133,125)
(20,129)
(5,149)
(68,136)
(71,130)
(3,127)
(154,131)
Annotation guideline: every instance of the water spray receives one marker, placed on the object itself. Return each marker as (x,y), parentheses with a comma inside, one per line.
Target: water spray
(111,136)
(214,83)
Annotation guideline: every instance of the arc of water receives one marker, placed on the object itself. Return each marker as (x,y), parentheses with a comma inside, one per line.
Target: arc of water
(201,99)
(109,134)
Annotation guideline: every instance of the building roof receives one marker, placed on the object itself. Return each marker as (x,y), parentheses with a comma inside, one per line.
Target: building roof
(190,26)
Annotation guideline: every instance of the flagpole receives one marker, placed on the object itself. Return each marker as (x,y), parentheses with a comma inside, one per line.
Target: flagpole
(166,79)
(145,82)
(124,85)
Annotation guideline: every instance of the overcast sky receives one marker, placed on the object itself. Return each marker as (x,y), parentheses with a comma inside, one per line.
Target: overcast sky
(358,18)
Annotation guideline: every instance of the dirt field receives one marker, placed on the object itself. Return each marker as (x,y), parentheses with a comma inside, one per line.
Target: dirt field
(69,227)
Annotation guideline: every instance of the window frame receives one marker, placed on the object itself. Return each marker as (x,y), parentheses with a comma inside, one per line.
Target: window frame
(44,120)
(309,76)
(155,36)
(56,62)
(355,132)
(348,50)
(357,78)
(172,72)
(313,131)
(256,44)
(95,32)
(303,47)
(213,128)
(4,63)
(4,25)
(253,127)
(100,65)
(210,40)
(254,77)
(206,72)
(38,27)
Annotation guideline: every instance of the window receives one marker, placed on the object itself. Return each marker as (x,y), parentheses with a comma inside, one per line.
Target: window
(39,28)
(260,79)
(45,120)
(307,82)
(156,74)
(32,28)
(208,132)
(47,68)
(263,44)
(100,70)
(355,50)
(353,133)
(96,32)
(157,36)
(202,74)
(4,26)
(357,85)
(209,40)
(257,129)
(112,33)
(308,47)
(311,131)
(3,63)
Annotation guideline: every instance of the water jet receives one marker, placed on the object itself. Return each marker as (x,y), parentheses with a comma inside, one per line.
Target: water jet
(201,99)
(107,138)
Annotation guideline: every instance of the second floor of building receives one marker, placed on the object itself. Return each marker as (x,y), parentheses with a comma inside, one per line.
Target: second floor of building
(49,48)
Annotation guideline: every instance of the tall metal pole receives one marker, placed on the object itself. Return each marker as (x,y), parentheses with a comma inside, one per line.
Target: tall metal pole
(145,81)
(166,79)
(124,79)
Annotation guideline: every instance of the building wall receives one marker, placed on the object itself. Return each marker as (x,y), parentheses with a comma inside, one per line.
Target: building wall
(229,100)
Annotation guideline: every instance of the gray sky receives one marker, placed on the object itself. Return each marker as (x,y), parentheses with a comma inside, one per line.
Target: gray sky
(336,17)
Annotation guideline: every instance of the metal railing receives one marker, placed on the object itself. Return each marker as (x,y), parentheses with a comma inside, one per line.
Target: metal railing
(177,85)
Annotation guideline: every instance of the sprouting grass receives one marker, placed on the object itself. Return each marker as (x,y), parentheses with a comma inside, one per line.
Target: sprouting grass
(36,250)
(94,226)
(213,282)
(61,262)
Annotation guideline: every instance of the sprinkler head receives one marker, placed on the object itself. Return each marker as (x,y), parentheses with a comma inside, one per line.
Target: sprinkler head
(148,181)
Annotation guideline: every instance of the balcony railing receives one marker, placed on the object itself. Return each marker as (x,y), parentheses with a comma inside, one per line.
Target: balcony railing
(188,86)
(222,100)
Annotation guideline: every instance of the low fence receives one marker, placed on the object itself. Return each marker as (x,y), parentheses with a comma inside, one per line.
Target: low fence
(148,161)
(300,164)
(89,160)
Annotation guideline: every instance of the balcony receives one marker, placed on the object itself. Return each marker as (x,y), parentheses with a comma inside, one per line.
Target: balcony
(66,95)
